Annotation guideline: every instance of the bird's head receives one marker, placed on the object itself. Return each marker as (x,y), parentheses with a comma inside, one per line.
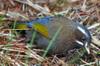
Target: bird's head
(85,38)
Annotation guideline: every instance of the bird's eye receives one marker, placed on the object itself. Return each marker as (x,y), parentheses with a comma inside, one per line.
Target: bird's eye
(83,38)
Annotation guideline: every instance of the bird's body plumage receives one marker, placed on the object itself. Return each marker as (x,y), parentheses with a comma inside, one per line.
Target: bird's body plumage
(67,37)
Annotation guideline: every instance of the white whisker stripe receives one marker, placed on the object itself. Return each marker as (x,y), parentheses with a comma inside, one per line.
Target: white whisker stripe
(79,42)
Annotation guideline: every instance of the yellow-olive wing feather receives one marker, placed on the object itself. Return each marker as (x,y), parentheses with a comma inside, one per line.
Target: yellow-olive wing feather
(42,29)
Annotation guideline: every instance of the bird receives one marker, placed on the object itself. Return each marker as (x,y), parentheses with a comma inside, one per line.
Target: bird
(72,34)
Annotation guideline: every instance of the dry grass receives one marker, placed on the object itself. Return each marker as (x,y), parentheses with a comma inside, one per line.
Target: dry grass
(13,48)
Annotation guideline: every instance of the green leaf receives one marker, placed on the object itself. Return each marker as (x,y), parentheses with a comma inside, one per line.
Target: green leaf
(1,20)
(52,41)
(98,52)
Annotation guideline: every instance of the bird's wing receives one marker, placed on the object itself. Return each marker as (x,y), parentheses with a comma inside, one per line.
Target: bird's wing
(42,29)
